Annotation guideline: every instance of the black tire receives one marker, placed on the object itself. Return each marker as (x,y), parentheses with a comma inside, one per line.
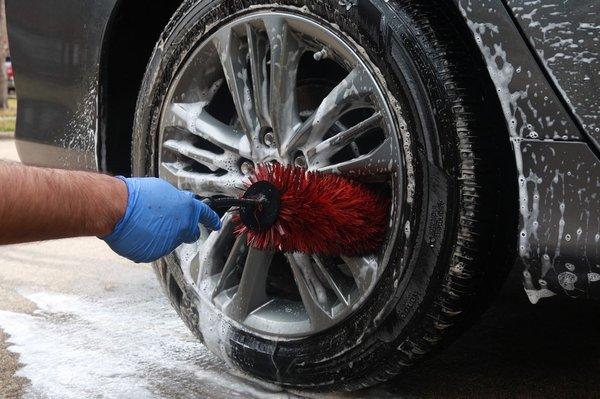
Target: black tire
(462,241)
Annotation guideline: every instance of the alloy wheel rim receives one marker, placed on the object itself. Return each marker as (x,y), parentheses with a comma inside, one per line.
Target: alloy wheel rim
(253,66)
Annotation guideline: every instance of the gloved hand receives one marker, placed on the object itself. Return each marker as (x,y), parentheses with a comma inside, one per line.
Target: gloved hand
(158,218)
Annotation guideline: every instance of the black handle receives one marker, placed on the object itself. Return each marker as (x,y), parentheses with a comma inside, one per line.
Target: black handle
(228,202)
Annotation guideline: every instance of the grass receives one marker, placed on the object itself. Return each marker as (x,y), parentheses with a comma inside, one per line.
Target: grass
(8,116)
(7,125)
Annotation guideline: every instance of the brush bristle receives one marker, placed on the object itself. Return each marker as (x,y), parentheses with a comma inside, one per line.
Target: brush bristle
(320,214)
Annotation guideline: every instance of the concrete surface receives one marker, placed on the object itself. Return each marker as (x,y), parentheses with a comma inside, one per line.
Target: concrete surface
(82,322)
(8,151)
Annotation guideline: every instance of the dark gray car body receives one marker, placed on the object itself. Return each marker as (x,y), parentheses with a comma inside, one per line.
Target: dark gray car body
(76,108)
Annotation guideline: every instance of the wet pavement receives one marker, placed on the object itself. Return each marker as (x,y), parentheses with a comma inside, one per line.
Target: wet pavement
(82,322)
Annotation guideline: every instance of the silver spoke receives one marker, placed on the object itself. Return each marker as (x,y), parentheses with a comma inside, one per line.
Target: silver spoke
(379,162)
(332,283)
(207,158)
(193,118)
(285,57)
(322,151)
(233,260)
(311,290)
(251,292)
(215,243)
(351,93)
(233,52)
(201,183)
(363,269)
(182,115)
(258,50)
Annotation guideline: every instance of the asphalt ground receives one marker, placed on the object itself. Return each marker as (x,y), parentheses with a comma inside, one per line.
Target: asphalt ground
(78,321)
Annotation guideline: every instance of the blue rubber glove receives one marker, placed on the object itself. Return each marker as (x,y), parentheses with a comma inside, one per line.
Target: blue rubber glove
(158,219)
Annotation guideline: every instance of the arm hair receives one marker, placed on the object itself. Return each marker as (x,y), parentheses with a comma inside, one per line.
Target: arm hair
(40,204)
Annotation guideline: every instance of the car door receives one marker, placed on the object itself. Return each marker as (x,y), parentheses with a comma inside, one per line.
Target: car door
(565,35)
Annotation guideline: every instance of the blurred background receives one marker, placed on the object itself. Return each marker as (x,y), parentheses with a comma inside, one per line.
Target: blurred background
(8,97)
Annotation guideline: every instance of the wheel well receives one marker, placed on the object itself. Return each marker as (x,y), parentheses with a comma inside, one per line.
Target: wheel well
(492,117)
(130,37)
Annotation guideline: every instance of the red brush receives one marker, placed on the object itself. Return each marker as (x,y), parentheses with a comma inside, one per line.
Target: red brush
(309,212)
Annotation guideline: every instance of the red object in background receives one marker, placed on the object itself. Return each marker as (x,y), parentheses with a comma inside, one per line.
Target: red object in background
(9,72)
(320,214)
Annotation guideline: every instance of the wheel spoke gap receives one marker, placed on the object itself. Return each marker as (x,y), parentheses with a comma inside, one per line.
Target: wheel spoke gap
(286,52)
(231,264)
(363,269)
(332,283)
(311,290)
(331,146)
(251,292)
(377,164)
(233,54)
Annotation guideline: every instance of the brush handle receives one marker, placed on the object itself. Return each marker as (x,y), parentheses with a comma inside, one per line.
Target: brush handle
(228,202)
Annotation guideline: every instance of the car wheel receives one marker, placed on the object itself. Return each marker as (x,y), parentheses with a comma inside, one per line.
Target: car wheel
(385,92)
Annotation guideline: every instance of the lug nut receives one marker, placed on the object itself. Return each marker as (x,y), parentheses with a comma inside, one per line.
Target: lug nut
(246,167)
(300,162)
(320,55)
(269,139)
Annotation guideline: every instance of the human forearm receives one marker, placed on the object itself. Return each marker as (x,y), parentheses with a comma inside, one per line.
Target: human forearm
(139,218)
(38,203)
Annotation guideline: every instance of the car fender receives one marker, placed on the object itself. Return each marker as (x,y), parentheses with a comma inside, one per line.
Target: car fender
(557,165)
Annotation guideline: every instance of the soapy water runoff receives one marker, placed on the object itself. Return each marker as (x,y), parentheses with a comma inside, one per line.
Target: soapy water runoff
(104,328)
(122,341)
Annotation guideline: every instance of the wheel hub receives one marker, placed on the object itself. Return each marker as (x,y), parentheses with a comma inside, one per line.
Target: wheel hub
(262,217)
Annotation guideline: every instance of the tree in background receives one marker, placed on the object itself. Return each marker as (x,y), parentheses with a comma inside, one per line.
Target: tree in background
(3,53)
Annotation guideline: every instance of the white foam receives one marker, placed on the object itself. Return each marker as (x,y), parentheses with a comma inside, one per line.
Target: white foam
(124,344)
